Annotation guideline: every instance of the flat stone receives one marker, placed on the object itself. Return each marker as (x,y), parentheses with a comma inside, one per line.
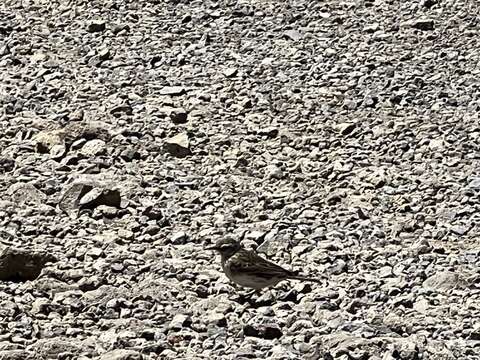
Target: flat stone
(460,230)
(93,147)
(293,35)
(423,24)
(119,28)
(230,72)
(89,193)
(441,281)
(172,90)
(346,128)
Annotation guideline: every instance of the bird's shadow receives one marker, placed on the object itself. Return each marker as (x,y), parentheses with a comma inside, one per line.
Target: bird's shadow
(270,297)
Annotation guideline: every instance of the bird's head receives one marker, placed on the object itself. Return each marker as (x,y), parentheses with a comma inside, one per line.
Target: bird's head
(226,247)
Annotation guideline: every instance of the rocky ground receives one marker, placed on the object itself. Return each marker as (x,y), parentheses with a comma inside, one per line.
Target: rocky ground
(343,136)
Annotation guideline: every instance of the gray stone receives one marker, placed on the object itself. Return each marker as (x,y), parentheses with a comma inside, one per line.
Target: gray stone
(442,281)
(180,321)
(217,319)
(274,172)
(26,193)
(121,354)
(179,237)
(460,230)
(91,192)
(474,183)
(172,90)
(178,145)
(93,147)
(230,72)
(293,35)
(267,331)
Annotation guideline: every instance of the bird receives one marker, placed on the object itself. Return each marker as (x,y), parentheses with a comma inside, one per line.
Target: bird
(248,269)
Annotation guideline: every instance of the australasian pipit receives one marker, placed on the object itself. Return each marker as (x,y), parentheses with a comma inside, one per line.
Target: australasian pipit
(246,268)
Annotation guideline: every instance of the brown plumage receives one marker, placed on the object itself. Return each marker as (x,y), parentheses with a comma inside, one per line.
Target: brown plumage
(246,268)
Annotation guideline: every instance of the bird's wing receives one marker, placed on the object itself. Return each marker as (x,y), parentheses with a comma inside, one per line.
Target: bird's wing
(248,262)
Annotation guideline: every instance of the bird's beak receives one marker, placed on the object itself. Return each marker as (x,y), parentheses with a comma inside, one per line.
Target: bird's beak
(211,247)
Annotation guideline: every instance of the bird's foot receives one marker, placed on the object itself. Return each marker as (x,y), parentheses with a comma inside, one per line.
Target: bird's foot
(249,297)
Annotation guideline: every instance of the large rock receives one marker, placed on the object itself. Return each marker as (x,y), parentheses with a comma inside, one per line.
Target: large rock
(22,265)
(22,193)
(442,281)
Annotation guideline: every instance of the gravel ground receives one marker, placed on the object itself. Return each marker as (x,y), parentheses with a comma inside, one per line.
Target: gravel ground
(342,136)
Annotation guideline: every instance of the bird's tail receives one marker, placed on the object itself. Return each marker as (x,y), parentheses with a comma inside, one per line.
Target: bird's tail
(305,278)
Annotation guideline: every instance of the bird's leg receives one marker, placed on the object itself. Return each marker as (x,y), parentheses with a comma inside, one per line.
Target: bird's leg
(247,297)
(238,295)
(255,291)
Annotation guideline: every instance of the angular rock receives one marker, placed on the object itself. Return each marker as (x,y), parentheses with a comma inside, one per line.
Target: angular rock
(46,140)
(119,28)
(179,237)
(274,172)
(267,331)
(121,109)
(460,230)
(180,321)
(217,319)
(57,347)
(96,26)
(90,193)
(104,54)
(178,145)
